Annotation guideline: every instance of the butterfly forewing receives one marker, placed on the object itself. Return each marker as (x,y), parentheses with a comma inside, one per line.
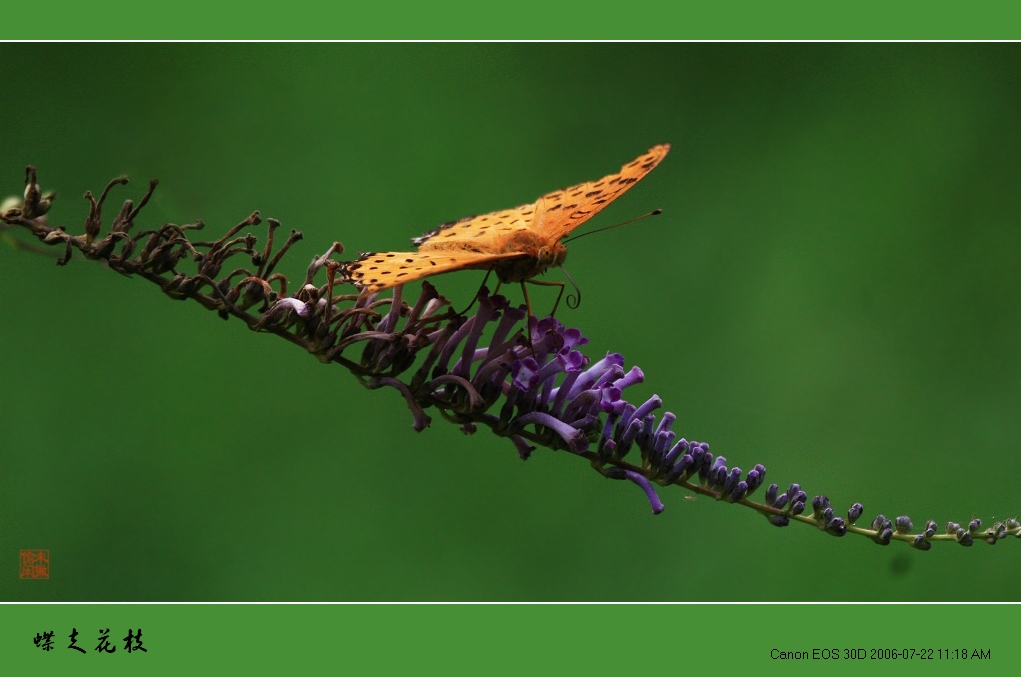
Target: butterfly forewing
(567,209)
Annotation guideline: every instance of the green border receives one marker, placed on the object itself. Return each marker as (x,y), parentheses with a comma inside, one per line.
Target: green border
(516,639)
(498,638)
(530,20)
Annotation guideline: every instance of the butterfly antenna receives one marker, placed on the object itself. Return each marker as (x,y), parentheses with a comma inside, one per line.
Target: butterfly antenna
(654,212)
(572,304)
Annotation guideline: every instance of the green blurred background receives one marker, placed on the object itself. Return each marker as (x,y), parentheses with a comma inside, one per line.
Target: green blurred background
(833,291)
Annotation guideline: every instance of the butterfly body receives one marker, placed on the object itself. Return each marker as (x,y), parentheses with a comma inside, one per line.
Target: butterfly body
(518,244)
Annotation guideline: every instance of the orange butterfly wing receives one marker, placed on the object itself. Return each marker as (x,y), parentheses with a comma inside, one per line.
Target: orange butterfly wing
(480,242)
(562,211)
(376,272)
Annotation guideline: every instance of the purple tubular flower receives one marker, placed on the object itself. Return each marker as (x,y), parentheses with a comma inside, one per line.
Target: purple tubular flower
(576,439)
(921,542)
(903,524)
(680,469)
(300,307)
(609,399)
(525,373)
(771,493)
(730,480)
(755,477)
(628,437)
(836,527)
(607,451)
(779,520)
(593,375)
(738,492)
(487,312)
(706,470)
(524,448)
(854,512)
(677,450)
(698,452)
(665,422)
(641,481)
(663,438)
(644,439)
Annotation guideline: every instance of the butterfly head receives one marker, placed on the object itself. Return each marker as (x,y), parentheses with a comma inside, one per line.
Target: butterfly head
(551,255)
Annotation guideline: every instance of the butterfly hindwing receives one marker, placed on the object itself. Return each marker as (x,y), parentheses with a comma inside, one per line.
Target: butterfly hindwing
(477,233)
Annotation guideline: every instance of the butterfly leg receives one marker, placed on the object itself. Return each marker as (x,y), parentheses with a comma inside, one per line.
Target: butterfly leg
(544,283)
(479,292)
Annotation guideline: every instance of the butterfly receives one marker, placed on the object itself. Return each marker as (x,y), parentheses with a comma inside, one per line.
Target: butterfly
(517,244)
